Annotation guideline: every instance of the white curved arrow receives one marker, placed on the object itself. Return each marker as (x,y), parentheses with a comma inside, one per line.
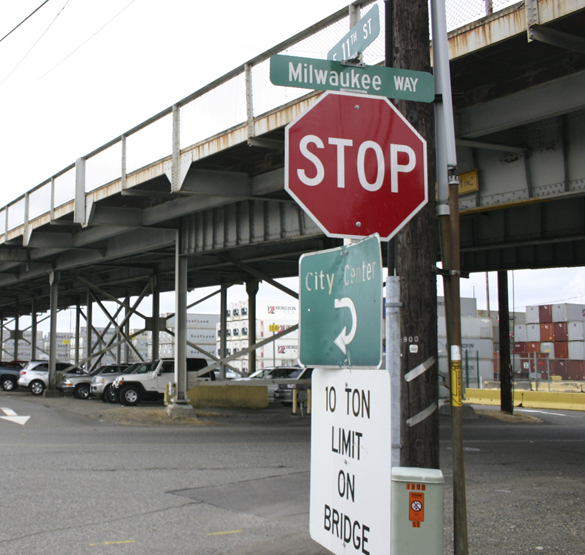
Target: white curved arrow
(344,339)
(11,416)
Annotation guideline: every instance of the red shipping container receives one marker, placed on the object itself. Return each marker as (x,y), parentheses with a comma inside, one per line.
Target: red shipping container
(533,347)
(545,314)
(561,349)
(561,331)
(520,348)
(576,369)
(547,332)
(560,368)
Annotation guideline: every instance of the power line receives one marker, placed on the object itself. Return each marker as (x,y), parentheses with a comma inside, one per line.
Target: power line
(86,41)
(35,43)
(27,17)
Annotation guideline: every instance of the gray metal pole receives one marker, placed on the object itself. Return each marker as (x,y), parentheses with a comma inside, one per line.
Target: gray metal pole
(89,328)
(181,324)
(54,302)
(16,331)
(156,316)
(252,290)
(393,360)
(77,331)
(33,326)
(127,331)
(223,328)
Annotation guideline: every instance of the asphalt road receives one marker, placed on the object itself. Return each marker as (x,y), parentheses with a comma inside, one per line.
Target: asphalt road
(77,479)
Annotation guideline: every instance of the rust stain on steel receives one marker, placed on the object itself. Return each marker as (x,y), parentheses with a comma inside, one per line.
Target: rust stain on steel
(496,28)
(503,24)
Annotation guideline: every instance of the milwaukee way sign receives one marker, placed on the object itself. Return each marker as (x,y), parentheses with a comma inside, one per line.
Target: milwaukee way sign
(329,75)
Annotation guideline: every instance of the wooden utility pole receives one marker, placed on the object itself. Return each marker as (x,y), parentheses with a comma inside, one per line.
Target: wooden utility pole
(416,256)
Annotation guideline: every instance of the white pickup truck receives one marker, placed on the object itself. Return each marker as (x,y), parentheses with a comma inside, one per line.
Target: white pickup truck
(149,380)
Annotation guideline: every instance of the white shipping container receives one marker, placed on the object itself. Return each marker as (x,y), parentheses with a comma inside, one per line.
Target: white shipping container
(282,310)
(576,350)
(532,332)
(468,306)
(548,347)
(520,333)
(199,321)
(568,312)
(576,331)
(201,336)
(532,315)
(483,347)
(479,328)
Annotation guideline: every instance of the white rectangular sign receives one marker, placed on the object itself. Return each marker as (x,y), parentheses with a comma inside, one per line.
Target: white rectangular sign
(351,461)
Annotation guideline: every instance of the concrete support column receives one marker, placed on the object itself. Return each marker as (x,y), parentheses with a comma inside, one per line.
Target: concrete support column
(54,303)
(252,290)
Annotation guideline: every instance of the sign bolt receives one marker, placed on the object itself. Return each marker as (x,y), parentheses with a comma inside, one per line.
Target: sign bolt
(357,106)
(358,224)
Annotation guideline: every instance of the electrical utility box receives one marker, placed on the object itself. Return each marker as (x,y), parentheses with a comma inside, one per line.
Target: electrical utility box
(417,511)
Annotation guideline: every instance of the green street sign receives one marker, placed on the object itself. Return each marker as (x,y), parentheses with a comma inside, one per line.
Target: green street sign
(360,36)
(341,306)
(329,75)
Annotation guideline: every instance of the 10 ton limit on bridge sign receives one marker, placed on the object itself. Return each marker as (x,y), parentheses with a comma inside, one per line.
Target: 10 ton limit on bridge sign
(351,461)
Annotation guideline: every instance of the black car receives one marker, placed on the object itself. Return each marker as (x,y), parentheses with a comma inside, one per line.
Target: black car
(9,374)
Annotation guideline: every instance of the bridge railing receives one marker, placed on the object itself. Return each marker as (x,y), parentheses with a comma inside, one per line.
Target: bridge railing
(232,100)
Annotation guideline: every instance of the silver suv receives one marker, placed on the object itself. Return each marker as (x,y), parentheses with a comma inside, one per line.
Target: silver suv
(35,375)
(79,382)
(101,384)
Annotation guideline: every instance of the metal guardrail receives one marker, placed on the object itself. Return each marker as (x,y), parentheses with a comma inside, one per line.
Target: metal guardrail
(236,98)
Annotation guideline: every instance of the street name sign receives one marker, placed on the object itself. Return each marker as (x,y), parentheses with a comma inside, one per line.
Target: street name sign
(351,461)
(356,165)
(330,75)
(341,306)
(359,37)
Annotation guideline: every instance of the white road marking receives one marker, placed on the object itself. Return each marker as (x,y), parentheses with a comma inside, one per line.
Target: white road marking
(546,412)
(11,416)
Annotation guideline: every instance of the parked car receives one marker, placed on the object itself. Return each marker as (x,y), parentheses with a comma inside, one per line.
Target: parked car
(283,392)
(35,375)
(101,384)
(9,375)
(273,373)
(78,381)
(149,380)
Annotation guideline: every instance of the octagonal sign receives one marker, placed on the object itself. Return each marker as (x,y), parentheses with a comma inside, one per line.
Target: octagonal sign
(356,165)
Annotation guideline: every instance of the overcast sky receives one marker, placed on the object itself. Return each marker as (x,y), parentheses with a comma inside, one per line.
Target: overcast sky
(80,72)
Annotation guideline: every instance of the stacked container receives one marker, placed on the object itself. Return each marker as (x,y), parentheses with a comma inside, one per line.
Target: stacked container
(477,347)
(272,317)
(556,332)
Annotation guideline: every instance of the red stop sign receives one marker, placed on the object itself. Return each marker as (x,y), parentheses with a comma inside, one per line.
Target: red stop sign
(356,165)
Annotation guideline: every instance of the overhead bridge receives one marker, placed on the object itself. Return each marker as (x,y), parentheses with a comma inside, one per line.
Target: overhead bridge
(195,195)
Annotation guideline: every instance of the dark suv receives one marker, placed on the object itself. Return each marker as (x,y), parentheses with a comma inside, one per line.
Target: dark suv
(9,375)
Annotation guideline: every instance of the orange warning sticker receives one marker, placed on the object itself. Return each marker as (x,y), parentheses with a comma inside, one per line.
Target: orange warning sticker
(417,506)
